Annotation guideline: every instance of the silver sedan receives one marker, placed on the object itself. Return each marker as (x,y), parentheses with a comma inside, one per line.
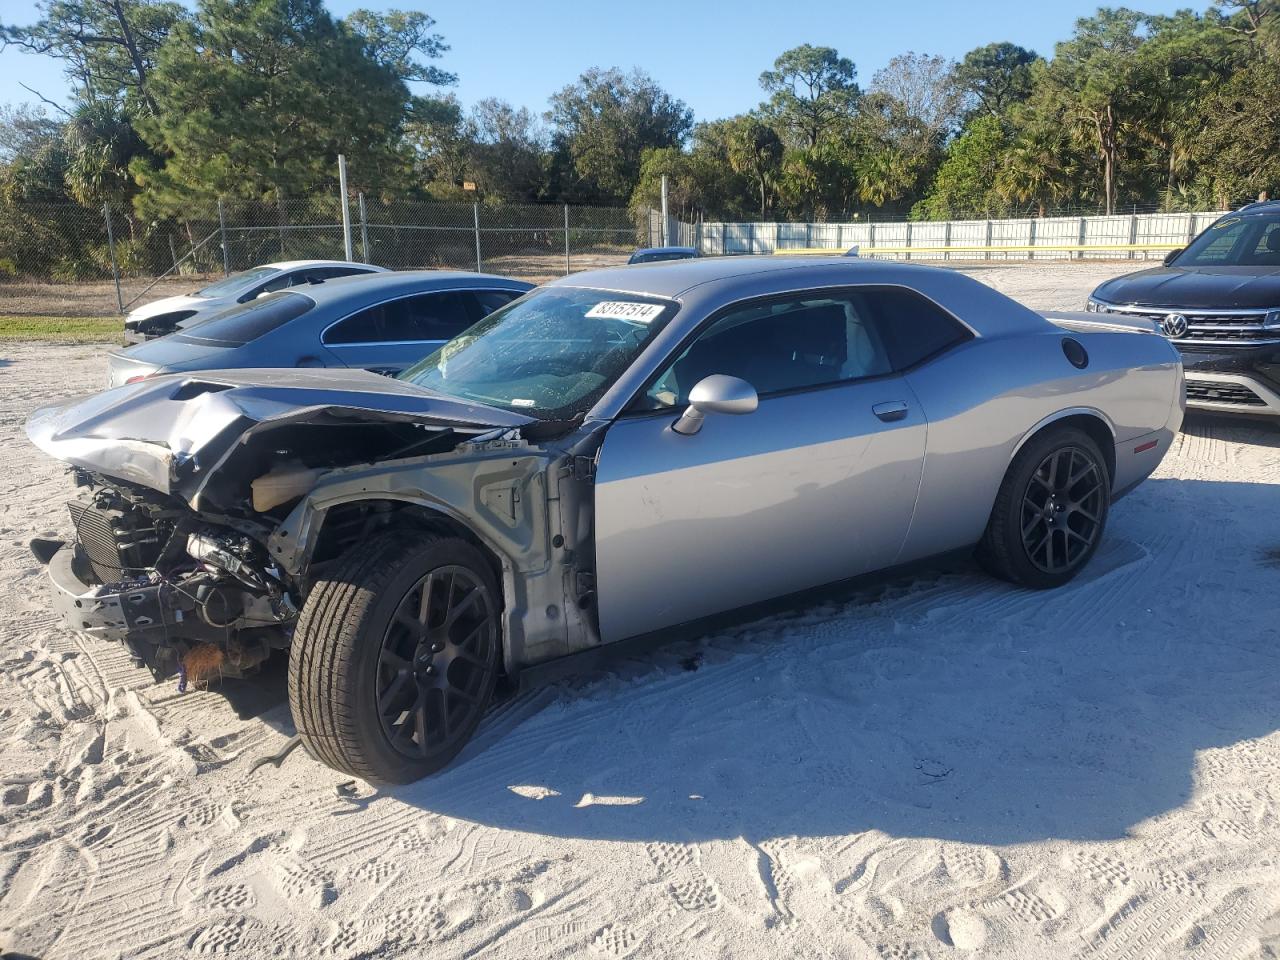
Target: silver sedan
(618,456)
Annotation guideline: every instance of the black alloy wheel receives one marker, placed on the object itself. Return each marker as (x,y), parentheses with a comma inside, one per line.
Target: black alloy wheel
(435,662)
(1051,510)
(396,655)
(1062,509)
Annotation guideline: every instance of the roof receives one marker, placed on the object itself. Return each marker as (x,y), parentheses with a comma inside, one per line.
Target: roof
(1260,206)
(294,264)
(707,283)
(392,282)
(673,278)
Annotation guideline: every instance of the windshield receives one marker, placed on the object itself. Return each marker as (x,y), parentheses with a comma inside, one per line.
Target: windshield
(1235,242)
(246,322)
(237,281)
(551,354)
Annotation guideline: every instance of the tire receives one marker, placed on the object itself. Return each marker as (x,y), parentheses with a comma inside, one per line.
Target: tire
(1044,528)
(374,691)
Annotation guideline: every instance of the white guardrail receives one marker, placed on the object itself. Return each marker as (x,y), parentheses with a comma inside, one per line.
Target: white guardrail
(1139,236)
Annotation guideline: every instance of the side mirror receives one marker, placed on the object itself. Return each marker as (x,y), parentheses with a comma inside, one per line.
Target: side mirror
(1171,256)
(718,393)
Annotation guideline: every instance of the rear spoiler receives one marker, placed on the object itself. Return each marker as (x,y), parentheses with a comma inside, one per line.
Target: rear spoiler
(1082,322)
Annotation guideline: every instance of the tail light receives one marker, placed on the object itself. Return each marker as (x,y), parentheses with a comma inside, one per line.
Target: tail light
(141,376)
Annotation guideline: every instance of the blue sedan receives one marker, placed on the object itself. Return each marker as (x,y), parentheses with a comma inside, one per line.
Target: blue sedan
(384,322)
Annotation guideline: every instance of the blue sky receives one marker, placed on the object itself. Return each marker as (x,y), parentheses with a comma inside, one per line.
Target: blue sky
(708,54)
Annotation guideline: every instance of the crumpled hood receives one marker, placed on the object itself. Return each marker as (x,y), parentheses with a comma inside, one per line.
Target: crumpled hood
(171,433)
(1196,288)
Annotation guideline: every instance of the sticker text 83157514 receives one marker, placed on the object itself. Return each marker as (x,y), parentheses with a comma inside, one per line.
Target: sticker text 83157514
(626,310)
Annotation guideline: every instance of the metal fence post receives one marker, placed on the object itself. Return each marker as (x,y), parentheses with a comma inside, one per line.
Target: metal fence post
(111,248)
(475,212)
(1083,234)
(346,208)
(1133,233)
(1031,239)
(946,240)
(666,220)
(566,239)
(908,241)
(222,231)
(364,229)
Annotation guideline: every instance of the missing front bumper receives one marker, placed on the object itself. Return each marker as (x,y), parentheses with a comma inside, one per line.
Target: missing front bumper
(140,610)
(156,621)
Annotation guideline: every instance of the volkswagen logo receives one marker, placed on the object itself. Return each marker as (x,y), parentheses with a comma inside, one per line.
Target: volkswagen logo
(1174,326)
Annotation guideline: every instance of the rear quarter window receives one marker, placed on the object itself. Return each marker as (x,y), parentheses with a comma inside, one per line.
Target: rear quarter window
(913,327)
(247,322)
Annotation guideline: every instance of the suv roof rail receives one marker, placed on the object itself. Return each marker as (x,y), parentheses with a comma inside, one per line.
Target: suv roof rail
(1258,203)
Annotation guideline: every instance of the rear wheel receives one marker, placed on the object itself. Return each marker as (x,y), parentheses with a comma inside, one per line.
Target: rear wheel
(1051,510)
(395,657)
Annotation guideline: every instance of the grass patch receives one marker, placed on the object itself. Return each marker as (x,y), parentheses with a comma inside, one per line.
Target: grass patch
(66,329)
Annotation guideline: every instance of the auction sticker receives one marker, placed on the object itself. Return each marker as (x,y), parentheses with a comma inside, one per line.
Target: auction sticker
(626,310)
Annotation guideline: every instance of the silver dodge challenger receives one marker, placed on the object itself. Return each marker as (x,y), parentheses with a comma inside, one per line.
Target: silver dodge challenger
(621,455)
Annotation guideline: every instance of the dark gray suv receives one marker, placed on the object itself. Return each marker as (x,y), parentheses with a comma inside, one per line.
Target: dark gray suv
(1218,301)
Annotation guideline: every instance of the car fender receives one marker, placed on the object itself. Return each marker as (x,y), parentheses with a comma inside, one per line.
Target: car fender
(495,490)
(1063,414)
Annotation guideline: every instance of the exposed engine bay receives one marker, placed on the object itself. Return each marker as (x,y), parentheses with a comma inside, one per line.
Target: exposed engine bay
(208,508)
(194,598)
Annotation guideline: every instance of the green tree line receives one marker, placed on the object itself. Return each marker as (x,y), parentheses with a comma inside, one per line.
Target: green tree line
(252,100)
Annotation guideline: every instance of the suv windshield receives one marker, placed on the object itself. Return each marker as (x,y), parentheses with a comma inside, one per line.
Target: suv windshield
(1235,241)
(236,282)
(551,354)
(241,324)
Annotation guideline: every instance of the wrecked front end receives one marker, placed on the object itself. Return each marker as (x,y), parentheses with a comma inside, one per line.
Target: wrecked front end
(184,481)
(185,595)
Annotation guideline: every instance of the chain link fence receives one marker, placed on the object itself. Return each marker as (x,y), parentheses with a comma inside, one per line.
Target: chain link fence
(67,259)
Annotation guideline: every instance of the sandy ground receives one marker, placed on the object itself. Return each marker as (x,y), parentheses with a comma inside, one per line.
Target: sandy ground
(941,767)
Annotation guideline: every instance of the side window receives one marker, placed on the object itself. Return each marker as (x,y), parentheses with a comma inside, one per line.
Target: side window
(911,327)
(780,346)
(490,300)
(1267,250)
(281,282)
(430,316)
(1218,243)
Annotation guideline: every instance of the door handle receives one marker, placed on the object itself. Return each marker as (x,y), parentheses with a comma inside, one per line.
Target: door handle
(891,410)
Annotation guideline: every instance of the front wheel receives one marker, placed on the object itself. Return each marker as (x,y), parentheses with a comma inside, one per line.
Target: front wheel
(395,656)
(1050,512)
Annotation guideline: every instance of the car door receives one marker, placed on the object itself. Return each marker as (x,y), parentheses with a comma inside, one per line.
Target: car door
(817,485)
(394,334)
